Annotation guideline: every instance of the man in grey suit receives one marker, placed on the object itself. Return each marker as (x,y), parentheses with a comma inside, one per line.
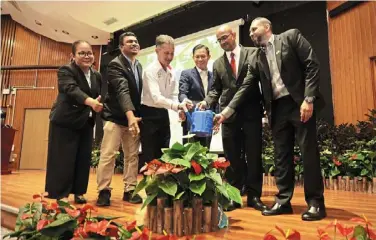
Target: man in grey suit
(241,133)
(289,72)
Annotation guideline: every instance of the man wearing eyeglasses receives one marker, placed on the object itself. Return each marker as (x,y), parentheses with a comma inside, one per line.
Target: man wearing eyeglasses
(241,134)
(120,112)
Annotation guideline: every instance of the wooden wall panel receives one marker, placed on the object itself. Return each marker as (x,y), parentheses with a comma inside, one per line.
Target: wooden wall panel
(333,4)
(29,49)
(352,44)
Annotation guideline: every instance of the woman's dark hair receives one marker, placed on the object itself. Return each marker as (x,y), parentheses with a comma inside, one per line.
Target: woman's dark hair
(75,44)
(199,46)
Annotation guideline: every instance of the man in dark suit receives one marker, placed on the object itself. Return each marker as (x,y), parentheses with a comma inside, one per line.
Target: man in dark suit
(243,128)
(288,70)
(122,105)
(194,85)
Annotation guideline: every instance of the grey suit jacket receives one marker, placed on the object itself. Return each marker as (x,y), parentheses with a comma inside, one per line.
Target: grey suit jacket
(225,85)
(299,68)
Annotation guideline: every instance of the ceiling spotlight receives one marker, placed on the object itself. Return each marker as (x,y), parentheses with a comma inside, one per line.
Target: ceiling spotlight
(65,32)
(38,23)
(94,37)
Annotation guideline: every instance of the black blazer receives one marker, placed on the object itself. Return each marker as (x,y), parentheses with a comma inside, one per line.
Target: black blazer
(69,109)
(191,87)
(123,94)
(225,85)
(299,68)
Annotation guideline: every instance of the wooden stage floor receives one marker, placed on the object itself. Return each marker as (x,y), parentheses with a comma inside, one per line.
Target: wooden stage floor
(246,223)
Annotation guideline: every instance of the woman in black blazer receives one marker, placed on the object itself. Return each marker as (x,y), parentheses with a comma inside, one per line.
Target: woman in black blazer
(72,119)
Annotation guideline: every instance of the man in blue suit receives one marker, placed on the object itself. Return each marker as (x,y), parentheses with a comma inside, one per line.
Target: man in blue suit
(195,84)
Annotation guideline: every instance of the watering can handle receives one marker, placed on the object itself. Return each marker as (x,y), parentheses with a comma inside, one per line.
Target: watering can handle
(187,114)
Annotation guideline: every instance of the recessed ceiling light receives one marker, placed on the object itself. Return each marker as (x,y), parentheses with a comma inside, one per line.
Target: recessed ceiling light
(94,37)
(65,32)
(38,23)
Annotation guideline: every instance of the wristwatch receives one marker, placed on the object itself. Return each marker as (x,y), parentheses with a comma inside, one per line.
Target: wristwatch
(309,99)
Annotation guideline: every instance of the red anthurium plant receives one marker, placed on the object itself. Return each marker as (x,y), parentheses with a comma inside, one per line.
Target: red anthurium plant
(187,171)
(59,220)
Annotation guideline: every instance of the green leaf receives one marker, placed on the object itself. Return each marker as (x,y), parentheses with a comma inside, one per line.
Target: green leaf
(234,193)
(64,204)
(59,226)
(178,196)
(177,147)
(203,162)
(152,185)
(149,199)
(182,162)
(193,177)
(198,187)
(212,156)
(222,190)
(364,172)
(215,176)
(169,187)
(141,185)
(360,233)
(194,148)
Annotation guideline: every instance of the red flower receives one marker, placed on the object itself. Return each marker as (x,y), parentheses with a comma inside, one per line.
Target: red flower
(363,220)
(130,226)
(80,233)
(269,236)
(221,165)
(296,159)
(196,167)
(138,235)
(26,216)
(88,207)
(336,161)
(42,223)
(323,235)
(290,234)
(73,213)
(354,157)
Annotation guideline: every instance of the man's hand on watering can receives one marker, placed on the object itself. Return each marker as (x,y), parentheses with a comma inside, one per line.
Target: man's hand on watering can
(182,116)
(203,105)
(186,105)
(217,121)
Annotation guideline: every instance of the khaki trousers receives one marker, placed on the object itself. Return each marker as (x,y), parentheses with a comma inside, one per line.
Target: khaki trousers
(113,135)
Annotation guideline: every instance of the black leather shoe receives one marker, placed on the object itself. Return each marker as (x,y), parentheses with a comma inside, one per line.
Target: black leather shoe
(314,213)
(278,209)
(104,198)
(79,199)
(256,203)
(127,196)
(231,206)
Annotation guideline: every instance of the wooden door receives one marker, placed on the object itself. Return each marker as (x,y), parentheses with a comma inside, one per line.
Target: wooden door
(35,139)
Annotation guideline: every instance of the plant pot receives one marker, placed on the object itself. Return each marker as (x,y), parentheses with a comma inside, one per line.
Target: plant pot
(197,215)
(178,217)
(188,221)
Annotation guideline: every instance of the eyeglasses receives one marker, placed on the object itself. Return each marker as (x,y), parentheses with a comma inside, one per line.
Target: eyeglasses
(223,38)
(84,54)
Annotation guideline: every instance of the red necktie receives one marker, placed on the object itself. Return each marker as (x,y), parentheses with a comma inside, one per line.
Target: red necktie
(233,64)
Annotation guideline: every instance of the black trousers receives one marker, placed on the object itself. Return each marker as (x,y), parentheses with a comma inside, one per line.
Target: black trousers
(68,160)
(204,141)
(286,128)
(243,138)
(155,132)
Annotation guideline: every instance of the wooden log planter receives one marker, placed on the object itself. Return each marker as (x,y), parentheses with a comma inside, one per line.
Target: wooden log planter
(340,183)
(180,220)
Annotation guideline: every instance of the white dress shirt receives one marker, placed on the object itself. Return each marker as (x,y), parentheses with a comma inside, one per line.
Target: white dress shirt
(160,89)
(236,51)
(87,76)
(279,88)
(204,79)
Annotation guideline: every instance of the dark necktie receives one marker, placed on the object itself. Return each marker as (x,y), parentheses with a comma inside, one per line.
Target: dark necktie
(233,63)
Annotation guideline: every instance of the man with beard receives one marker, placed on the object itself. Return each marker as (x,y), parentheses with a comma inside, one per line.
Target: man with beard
(289,72)
(241,134)
(122,105)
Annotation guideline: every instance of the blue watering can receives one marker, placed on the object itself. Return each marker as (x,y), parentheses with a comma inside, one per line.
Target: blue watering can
(201,122)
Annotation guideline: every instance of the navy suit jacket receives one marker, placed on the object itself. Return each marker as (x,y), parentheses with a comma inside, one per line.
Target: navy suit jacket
(191,87)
